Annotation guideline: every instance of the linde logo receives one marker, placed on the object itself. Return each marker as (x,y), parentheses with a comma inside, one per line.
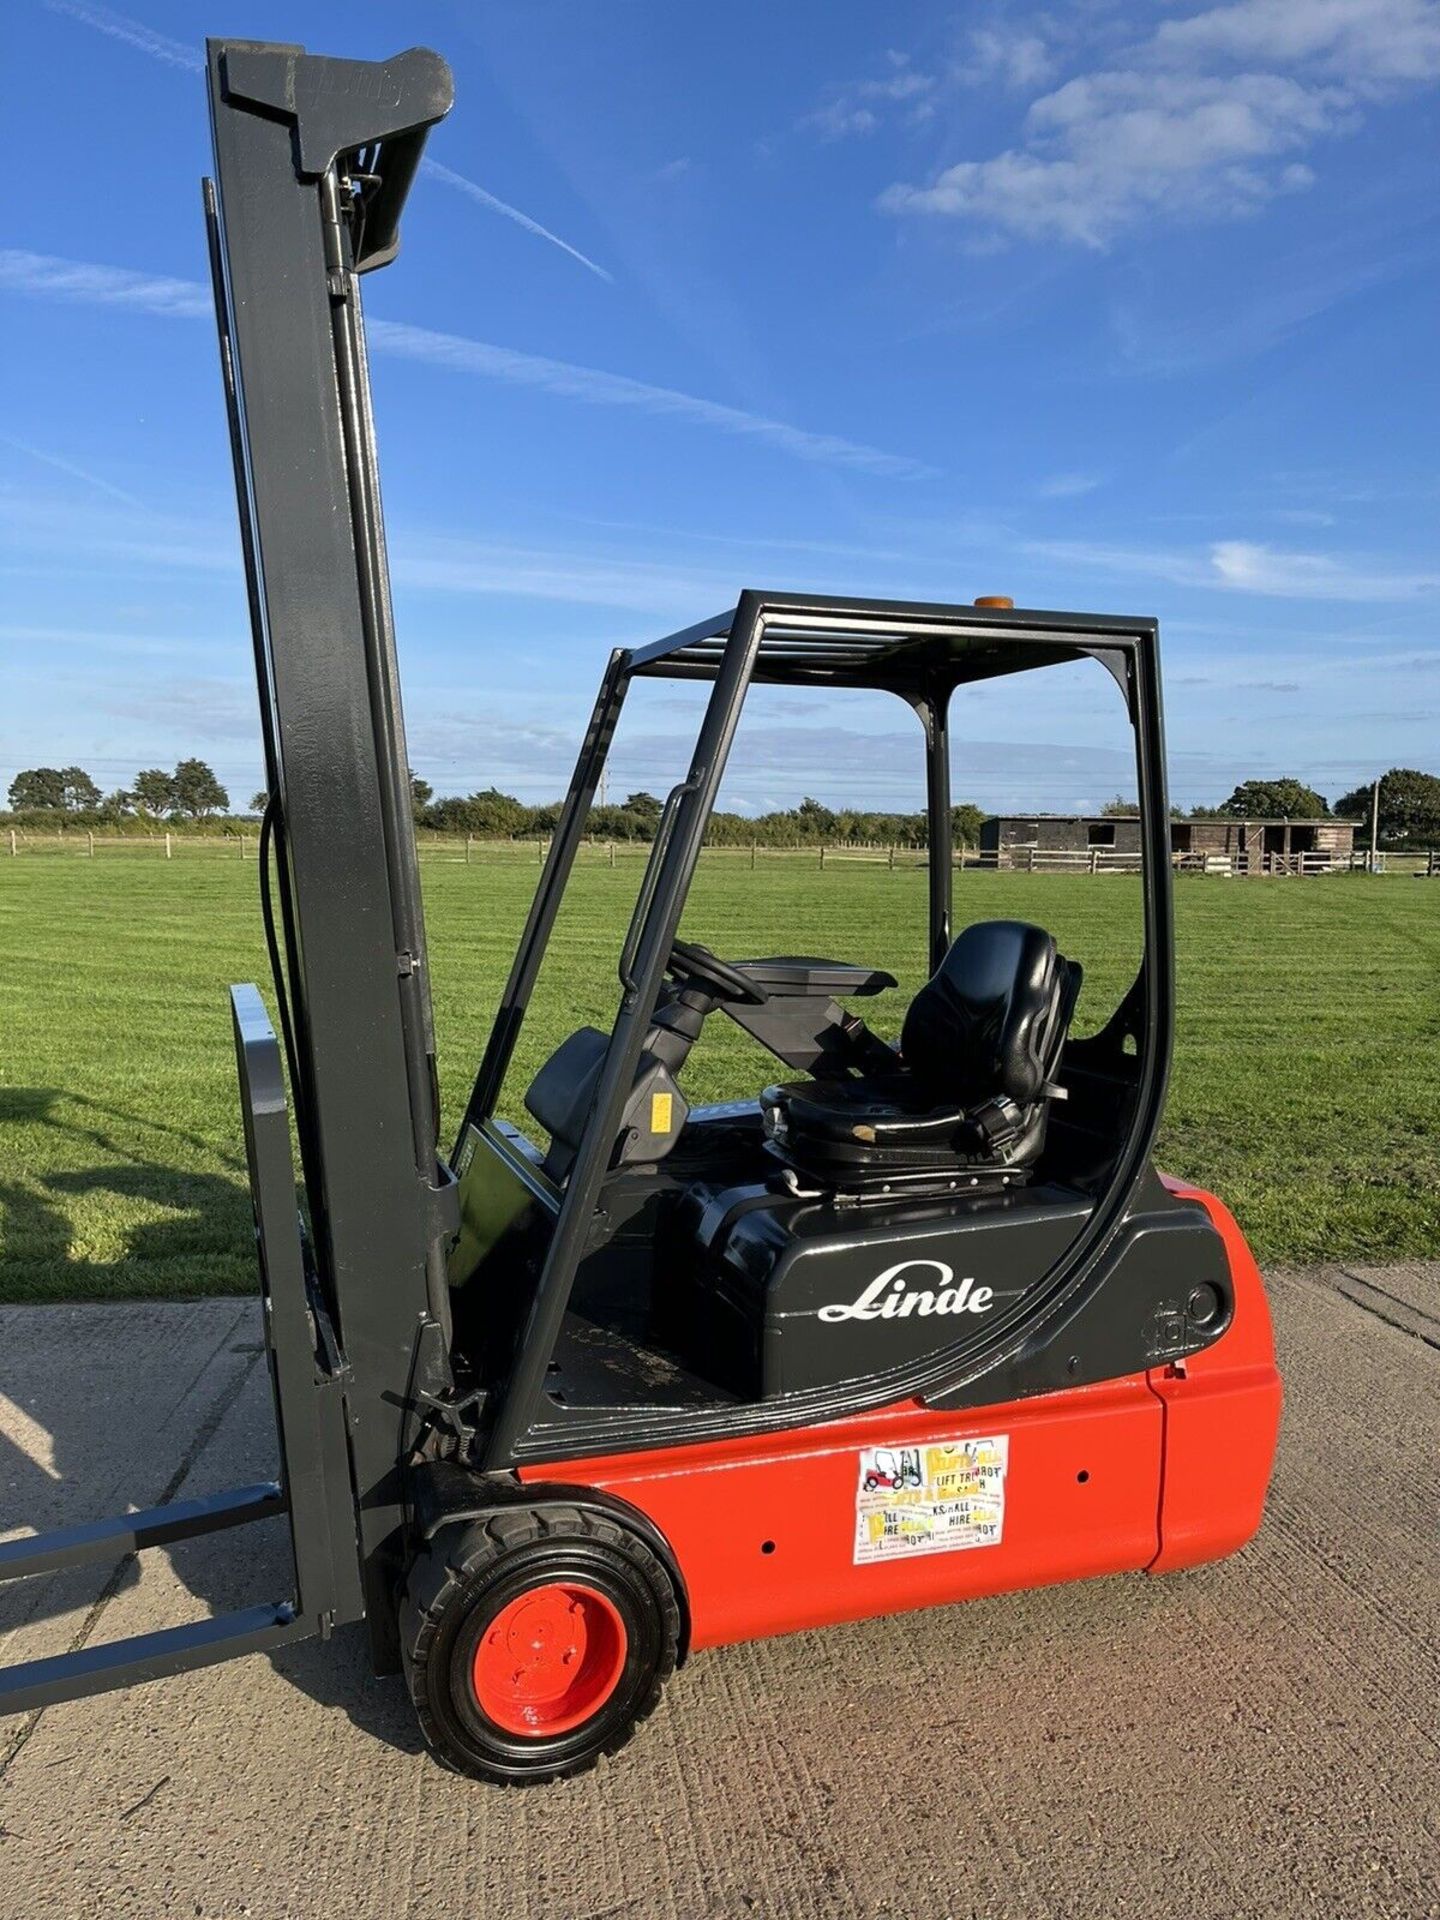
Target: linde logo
(890,1296)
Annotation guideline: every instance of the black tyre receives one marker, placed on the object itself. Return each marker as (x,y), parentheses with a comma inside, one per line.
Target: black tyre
(535,1641)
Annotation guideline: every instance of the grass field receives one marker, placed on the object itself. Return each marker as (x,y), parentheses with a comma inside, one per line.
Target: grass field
(1306,1083)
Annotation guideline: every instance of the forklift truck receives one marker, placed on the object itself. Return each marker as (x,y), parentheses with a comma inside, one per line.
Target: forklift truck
(637,1377)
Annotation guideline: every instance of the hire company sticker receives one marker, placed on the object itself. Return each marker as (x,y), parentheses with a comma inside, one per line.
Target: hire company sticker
(930,1499)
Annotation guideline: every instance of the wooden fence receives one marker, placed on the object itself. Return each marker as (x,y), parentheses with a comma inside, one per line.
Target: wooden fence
(78,841)
(469,849)
(1424,865)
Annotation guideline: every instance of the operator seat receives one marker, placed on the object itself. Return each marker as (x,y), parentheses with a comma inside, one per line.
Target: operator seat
(972,1082)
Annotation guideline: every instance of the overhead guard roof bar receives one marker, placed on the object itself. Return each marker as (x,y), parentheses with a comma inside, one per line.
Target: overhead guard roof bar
(897,646)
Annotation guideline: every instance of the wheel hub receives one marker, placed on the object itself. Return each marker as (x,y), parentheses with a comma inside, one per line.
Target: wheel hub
(549,1659)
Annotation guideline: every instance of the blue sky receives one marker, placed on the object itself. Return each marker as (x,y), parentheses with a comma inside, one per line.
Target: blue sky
(1124,307)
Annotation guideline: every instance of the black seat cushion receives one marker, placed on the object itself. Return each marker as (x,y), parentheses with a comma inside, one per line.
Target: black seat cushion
(972,1082)
(985,1022)
(884,1125)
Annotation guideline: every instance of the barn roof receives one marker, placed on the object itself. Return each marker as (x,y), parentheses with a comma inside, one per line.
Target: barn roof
(1197,820)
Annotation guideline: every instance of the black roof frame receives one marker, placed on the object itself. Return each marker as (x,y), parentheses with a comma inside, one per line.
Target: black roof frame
(921,651)
(898,646)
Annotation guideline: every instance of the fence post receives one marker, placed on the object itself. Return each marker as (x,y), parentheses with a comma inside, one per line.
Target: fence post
(167,843)
(1094,860)
(14,849)
(892,856)
(822,859)
(90,838)
(610,849)
(753,845)
(468,838)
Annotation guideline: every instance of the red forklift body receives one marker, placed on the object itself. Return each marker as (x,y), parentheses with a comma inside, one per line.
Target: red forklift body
(1157,1470)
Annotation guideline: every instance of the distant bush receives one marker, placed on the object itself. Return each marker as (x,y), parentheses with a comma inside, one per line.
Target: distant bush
(495,815)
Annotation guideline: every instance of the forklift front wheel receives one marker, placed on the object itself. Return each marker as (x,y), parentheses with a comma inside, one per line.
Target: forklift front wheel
(535,1641)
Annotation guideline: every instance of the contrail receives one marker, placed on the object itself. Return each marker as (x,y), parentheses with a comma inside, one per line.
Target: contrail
(69,466)
(461,355)
(144,39)
(174,53)
(88,284)
(496,205)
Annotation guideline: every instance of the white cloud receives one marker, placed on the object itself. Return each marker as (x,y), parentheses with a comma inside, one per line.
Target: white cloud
(860,106)
(1148,563)
(1303,516)
(1067,486)
(1366,43)
(1109,148)
(840,118)
(906,85)
(472,191)
(87,284)
(1208,118)
(1017,60)
(63,542)
(911,96)
(1247,566)
(468,751)
(1253,568)
(178,548)
(437,563)
(225,709)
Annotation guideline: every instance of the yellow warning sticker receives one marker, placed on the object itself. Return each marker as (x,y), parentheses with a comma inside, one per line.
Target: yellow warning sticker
(660,1107)
(930,1499)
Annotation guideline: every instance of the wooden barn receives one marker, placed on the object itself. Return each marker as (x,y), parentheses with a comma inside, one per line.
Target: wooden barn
(1104,842)
(1269,846)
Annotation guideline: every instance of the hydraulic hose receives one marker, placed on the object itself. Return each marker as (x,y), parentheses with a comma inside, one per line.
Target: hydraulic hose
(269,822)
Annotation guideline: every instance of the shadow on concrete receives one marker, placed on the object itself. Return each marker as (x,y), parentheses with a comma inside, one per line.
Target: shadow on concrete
(74,1442)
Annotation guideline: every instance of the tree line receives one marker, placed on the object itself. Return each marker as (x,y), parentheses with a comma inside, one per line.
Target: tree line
(492,814)
(45,796)
(1409,814)
(190,792)
(1409,805)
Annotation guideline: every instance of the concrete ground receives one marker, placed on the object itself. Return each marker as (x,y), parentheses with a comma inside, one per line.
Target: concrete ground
(1258,1737)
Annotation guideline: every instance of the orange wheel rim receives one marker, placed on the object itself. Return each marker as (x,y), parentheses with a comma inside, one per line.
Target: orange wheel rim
(549,1659)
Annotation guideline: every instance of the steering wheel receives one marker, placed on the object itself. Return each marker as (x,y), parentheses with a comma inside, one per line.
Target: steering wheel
(691,962)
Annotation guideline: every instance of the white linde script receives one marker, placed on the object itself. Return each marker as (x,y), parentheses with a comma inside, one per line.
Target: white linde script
(889,1295)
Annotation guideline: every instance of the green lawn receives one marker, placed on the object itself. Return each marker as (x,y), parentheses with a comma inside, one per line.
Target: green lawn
(1306,1081)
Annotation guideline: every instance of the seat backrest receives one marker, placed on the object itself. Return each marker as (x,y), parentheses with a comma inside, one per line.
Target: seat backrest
(991,1020)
